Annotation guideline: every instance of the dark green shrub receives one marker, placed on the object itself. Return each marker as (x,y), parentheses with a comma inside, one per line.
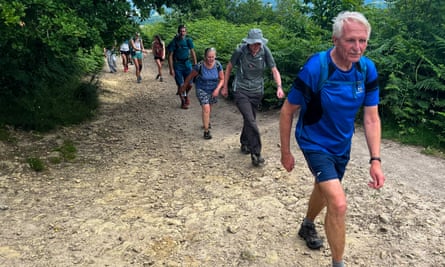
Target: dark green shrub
(36,164)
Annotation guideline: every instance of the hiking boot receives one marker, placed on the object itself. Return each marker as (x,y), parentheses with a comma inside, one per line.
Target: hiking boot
(187,101)
(257,159)
(157,76)
(207,135)
(183,105)
(161,79)
(310,235)
(245,149)
(189,87)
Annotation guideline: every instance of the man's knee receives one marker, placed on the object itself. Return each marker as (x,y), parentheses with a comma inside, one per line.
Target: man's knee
(337,207)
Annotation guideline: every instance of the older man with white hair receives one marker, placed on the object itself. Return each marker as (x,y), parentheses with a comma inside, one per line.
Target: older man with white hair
(329,91)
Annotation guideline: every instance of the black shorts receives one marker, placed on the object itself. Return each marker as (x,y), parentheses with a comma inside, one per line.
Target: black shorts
(160,58)
(125,52)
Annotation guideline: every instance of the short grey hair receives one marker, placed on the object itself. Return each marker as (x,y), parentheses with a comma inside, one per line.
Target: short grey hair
(339,21)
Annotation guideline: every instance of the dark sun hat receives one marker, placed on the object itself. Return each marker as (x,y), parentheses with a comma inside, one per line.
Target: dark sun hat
(255,36)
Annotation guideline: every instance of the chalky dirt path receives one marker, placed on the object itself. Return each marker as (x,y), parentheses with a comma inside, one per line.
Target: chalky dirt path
(147,190)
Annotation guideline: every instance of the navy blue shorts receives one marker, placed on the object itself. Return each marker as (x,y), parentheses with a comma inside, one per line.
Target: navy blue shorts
(325,166)
(182,70)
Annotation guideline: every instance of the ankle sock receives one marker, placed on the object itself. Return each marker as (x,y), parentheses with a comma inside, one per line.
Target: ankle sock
(338,263)
(306,221)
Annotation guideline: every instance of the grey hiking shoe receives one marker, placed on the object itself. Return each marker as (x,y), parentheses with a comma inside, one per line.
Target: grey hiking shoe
(310,235)
(257,159)
(245,149)
(207,135)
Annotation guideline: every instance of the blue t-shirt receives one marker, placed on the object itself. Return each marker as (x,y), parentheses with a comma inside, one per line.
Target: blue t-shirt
(208,79)
(331,128)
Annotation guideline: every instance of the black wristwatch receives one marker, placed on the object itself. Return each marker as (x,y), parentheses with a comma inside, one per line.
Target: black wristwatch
(374,158)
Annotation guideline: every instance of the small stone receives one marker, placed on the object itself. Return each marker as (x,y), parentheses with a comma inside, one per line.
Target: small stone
(384,218)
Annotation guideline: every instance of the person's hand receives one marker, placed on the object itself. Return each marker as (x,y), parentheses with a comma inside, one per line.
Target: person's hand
(288,161)
(280,93)
(225,91)
(172,73)
(215,93)
(378,178)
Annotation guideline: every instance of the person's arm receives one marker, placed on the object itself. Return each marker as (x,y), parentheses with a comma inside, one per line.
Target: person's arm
(277,77)
(163,50)
(187,80)
(373,138)
(170,63)
(192,52)
(286,119)
(142,46)
(220,83)
(225,89)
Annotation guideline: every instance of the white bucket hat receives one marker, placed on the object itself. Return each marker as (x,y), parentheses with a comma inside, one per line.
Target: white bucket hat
(255,36)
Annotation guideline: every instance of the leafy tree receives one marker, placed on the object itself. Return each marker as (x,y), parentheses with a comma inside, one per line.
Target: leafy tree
(246,12)
(410,57)
(48,47)
(323,11)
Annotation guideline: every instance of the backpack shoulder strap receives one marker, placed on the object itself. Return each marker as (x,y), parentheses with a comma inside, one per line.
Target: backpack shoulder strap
(176,42)
(218,65)
(363,68)
(324,70)
(200,67)
(188,40)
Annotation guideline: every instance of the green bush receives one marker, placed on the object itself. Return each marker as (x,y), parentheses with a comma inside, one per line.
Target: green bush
(52,51)
(36,164)
(50,107)
(290,50)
